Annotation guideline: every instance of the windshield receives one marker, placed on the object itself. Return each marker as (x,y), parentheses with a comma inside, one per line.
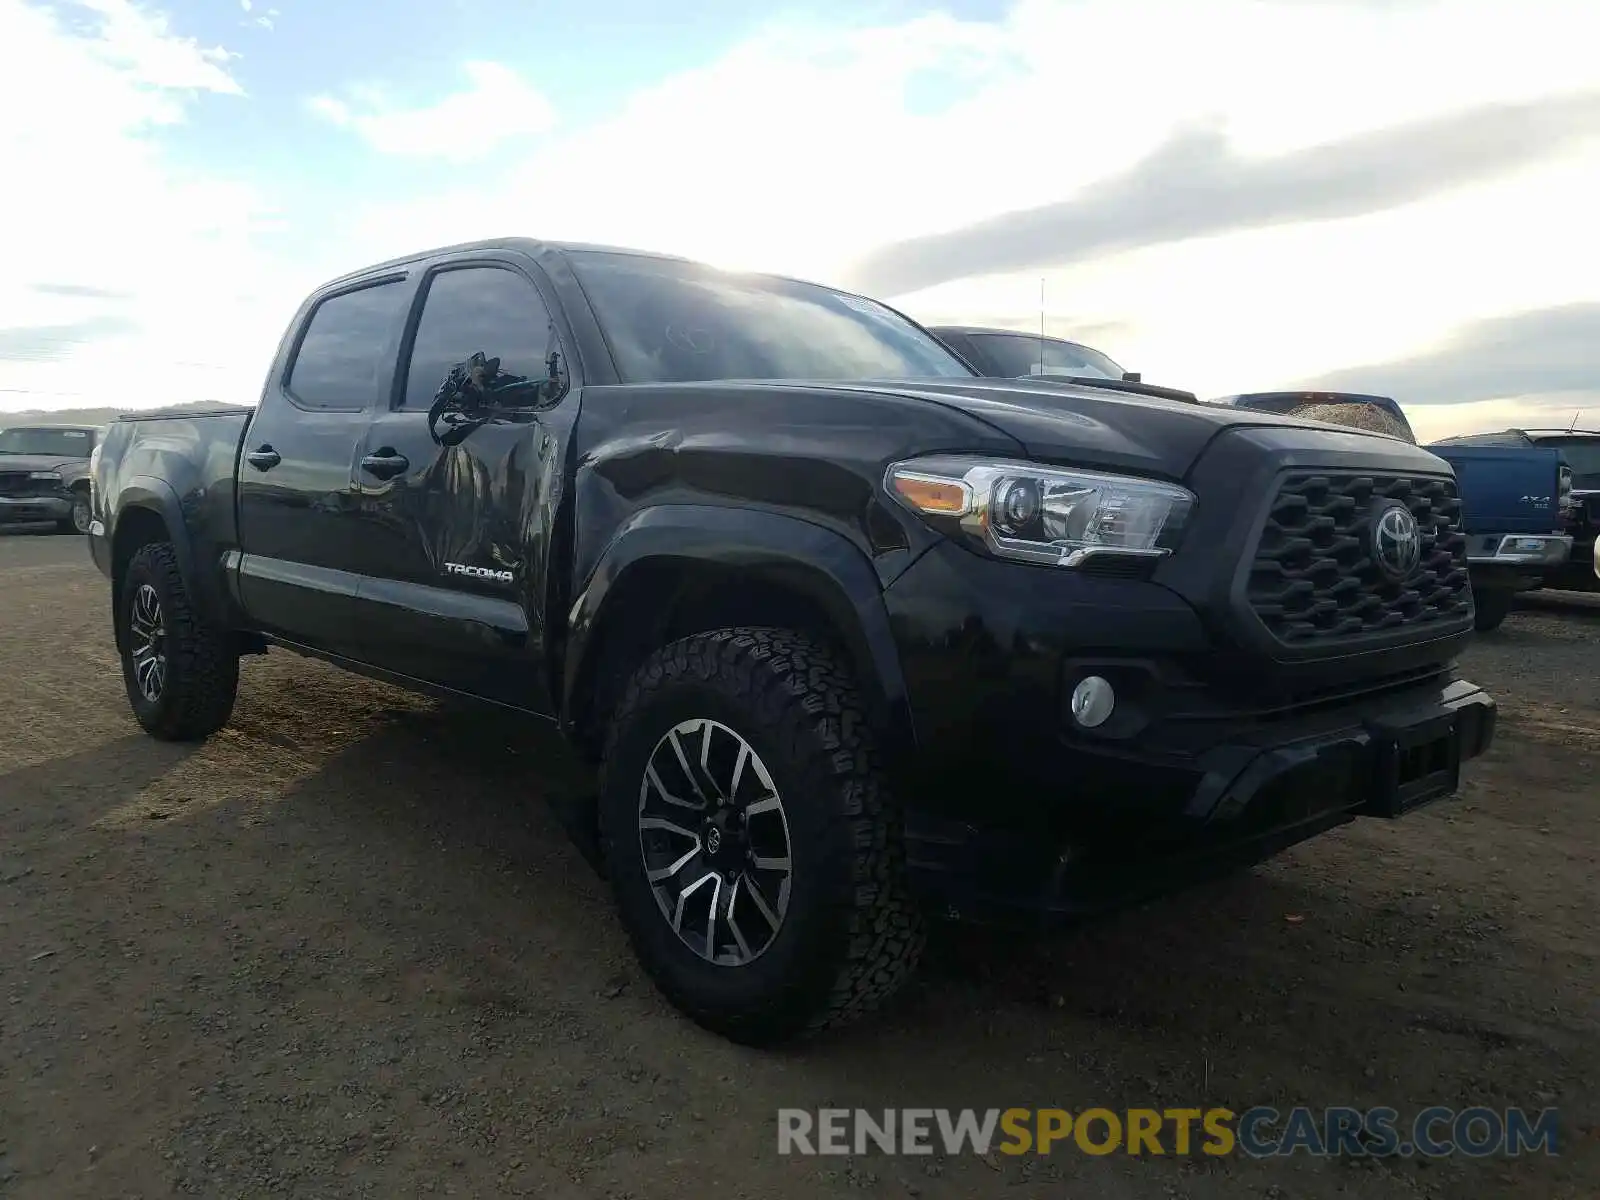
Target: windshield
(1024,354)
(1584,459)
(676,322)
(61,443)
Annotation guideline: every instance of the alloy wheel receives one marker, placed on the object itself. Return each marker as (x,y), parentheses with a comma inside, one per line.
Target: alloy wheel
(714,837)
(81,515)
(147,643)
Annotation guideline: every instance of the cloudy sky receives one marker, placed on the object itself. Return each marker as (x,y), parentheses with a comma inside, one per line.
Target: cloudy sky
(1387,195)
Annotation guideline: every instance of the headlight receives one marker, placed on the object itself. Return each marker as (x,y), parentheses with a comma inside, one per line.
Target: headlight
(1050,515)
(55,475)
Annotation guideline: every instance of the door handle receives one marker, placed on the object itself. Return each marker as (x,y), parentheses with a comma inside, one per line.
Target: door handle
(385,464)
(263,458)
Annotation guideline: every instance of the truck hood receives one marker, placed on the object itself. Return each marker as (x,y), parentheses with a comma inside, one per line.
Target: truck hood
(1088,426)
(39,462)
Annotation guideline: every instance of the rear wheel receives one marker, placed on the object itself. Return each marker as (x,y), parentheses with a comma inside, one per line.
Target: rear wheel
(1493,606)
(750,838)
(181,675)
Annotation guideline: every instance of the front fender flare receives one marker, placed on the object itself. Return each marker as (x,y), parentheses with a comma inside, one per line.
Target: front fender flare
(818,562)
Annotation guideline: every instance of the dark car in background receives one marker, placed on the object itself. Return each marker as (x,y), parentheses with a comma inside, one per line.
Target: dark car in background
(44,475)
(1012,354)
(1008,352)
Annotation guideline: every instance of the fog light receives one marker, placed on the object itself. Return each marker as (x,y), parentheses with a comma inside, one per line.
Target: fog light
(1092,701)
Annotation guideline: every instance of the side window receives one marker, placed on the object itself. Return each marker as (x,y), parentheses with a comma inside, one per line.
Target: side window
(346,347)
(472,309)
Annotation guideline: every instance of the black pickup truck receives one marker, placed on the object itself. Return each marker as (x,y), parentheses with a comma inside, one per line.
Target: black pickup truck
(855,637)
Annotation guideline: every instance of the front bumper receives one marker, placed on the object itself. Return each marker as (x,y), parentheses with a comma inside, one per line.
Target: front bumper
(1255,792)
(1212,756)
(21,510)
(1519,549)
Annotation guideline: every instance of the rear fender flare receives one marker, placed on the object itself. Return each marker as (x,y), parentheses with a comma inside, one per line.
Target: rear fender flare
(149,494)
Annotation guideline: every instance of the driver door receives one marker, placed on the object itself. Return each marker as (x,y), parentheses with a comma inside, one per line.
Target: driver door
(455,521)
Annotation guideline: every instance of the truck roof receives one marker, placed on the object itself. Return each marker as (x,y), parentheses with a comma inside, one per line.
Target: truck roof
(534,248)
(983,329)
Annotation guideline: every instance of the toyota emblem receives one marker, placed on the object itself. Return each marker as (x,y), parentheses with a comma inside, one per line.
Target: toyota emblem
(1396,541)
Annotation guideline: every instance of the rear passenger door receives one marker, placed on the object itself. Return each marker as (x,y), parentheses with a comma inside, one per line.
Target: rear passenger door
(298,526)
(456,527)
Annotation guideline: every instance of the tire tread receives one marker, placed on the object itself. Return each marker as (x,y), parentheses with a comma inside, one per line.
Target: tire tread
(207,668)
(801,695)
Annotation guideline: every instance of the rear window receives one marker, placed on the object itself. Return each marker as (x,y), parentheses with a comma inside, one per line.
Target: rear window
(675,322)
(1375,414)
(1582,456)
(1357,415)
(346,347)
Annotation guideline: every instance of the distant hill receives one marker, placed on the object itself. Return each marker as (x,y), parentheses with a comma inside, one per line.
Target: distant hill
(94,416)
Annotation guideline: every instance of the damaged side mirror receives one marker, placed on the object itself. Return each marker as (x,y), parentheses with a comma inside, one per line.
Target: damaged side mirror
(477,390)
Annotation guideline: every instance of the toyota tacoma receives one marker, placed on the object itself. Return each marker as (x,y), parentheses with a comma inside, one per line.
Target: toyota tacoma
(855,638)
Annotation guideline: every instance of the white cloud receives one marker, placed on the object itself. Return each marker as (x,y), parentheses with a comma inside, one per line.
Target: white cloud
(802,149)
(92,203)
(497,106)
(807,146)
(1432,421)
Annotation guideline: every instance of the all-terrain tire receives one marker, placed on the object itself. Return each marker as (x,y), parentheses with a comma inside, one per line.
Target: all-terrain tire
(852,934)
(201,666)
(1491,607)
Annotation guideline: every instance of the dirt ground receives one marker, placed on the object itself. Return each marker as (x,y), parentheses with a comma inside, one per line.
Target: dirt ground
(345,949)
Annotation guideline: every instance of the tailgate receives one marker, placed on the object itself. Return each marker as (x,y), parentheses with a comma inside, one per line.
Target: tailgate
(1505,489)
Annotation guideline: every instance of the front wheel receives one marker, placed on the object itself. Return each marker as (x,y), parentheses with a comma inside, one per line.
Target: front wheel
(752,843)
(78,521)
(181,675)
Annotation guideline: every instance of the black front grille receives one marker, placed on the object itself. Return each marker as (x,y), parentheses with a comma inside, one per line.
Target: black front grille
(1314,578)
(17,483)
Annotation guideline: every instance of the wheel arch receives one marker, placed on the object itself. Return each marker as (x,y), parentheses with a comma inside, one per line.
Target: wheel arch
(676,570)
(147,512)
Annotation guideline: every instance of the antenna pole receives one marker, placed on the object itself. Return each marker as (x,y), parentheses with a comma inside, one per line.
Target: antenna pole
(1041,324)
(1575,417)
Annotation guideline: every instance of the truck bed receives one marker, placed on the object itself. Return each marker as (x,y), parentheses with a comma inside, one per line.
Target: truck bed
(183,464)
(178,412)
